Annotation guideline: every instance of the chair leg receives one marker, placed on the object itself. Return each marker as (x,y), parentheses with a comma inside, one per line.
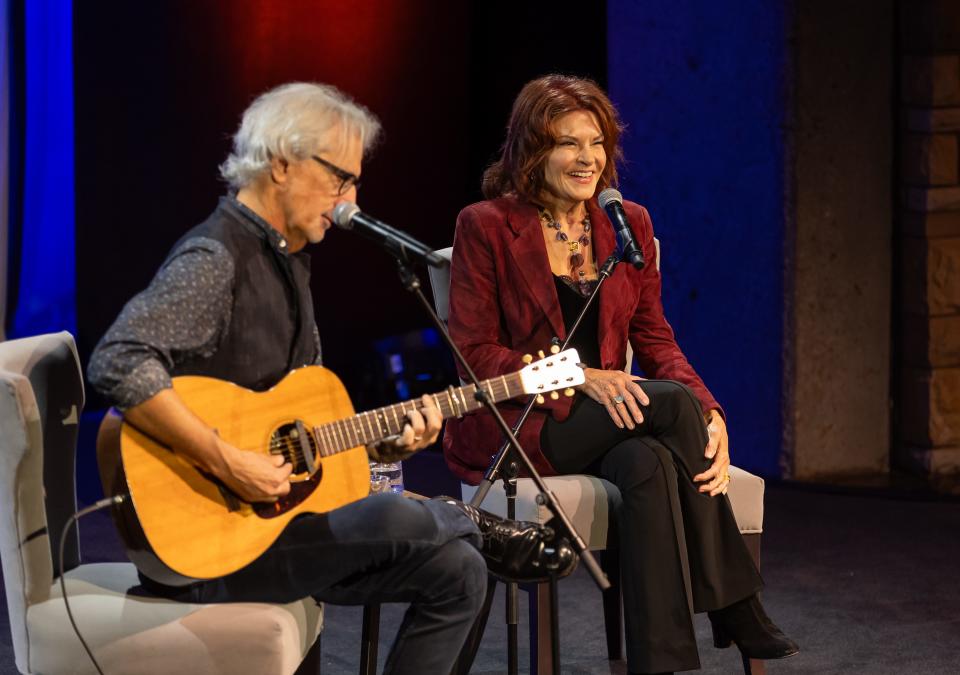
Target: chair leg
(753,546)
(541,635)
(312,661)
(612,604)
(554,624)
(753,666)
(369,639)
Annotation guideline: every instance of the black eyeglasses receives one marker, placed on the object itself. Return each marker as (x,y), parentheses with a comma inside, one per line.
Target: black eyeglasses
(347,180)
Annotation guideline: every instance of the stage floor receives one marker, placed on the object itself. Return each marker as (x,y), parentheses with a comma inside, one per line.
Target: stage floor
(865,583)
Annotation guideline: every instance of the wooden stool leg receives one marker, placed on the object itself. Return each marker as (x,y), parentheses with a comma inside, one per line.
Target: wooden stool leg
(554,596)
(312,661)
(369,639)
(541,635)
(753,666)
(612,604)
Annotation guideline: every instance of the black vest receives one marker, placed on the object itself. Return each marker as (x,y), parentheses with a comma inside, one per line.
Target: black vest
(271,321)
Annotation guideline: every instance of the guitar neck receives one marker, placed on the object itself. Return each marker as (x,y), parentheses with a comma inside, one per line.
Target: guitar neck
(375,425)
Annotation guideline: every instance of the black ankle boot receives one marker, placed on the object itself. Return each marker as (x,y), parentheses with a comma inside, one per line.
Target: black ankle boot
(748,625)
(518,550)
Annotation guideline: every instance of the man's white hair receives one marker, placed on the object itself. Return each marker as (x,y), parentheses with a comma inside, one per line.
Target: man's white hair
(294,121)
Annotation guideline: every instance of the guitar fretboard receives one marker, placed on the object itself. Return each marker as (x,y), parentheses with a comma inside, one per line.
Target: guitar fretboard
(375,425)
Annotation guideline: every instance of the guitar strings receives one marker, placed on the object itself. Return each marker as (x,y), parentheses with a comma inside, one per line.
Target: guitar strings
(499,387)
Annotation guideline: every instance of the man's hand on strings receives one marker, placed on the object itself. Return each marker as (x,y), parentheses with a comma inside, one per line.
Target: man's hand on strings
(255,477)
(421,430)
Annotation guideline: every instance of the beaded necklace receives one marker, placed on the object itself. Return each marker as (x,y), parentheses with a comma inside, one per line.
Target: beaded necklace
(575,248)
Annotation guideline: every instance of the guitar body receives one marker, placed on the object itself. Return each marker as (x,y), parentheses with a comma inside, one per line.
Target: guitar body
(181,525)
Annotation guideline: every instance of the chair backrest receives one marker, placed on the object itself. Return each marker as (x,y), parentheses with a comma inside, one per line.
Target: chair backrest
(52,365)
(440,284)
(41,395)
(24,547)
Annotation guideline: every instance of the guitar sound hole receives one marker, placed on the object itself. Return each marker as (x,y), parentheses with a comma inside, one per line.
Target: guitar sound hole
(298,446)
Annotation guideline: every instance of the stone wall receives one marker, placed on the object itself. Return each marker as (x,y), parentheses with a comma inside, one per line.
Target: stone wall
(840,220)
(928,392)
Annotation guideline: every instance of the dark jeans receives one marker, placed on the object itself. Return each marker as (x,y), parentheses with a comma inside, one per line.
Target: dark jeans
(658,625)
(385,548)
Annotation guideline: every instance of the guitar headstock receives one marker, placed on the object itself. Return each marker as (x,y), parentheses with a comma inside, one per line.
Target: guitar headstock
(556,371)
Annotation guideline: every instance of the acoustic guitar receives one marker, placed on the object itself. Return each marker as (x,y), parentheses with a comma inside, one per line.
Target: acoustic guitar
(180,524)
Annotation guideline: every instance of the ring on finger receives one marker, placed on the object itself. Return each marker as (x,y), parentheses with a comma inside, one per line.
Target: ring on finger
(618,399)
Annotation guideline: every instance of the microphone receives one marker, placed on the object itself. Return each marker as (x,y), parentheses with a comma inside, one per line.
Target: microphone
(612,202)
(348,216)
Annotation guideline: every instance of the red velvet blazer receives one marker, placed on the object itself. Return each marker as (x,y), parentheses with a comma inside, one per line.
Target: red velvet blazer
(503,304)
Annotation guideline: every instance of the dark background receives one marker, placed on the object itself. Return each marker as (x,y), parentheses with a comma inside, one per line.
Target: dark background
(160,88)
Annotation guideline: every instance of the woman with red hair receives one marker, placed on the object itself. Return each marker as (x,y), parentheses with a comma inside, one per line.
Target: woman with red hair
(524,263)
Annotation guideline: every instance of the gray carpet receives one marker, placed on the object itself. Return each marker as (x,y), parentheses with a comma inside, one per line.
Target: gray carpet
(865,584)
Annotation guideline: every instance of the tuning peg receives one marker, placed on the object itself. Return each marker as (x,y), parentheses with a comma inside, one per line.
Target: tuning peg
(541,354)
(568,391)
(540,399)
(555,349)
(528,358)
(554,395)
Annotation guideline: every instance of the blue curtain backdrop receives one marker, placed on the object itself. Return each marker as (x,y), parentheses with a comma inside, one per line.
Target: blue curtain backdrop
(42,251)
(701,88)
(5,70)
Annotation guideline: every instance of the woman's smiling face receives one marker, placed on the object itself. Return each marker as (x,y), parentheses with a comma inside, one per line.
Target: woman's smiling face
(573,167)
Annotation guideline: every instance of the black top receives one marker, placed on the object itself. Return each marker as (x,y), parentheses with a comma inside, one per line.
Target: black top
(585,341)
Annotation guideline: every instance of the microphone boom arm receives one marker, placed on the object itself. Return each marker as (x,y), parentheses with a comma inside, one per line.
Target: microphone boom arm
(348,216)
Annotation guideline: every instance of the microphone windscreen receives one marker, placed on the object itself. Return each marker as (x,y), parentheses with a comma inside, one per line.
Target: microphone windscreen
(609,196)
(343,214)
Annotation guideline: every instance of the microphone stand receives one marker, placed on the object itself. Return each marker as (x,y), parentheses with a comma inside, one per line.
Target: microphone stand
(508,471)
(493,471)
(412,284)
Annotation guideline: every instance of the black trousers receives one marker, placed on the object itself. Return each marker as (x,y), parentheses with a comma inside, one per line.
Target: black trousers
(658,624)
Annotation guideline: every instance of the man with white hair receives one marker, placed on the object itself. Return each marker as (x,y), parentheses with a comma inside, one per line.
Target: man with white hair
(232,301)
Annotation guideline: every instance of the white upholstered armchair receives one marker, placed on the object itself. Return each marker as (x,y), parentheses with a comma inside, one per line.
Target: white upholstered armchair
(129,631)
(586,500)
